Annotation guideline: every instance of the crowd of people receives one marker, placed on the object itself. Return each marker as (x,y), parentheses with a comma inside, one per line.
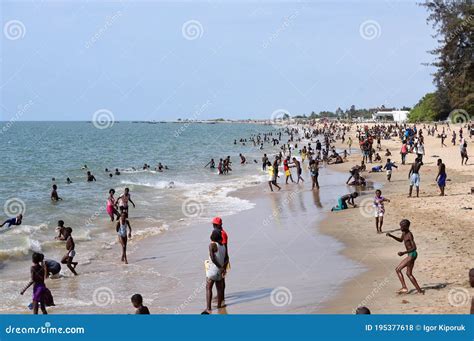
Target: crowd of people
(307,147)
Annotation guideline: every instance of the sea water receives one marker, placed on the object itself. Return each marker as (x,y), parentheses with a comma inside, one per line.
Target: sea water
(33,153)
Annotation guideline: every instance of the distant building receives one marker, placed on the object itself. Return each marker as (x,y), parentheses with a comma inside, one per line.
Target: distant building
(391,115)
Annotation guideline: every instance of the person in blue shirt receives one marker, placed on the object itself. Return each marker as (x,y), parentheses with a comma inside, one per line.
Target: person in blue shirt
(388,167)
(13,221)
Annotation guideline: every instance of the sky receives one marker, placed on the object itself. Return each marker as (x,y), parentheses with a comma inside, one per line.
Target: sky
(158,60)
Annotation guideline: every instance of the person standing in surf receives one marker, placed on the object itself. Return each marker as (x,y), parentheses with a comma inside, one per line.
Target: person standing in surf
(121,229)
(71,252)
(123,201)
(111,207)
(40,293)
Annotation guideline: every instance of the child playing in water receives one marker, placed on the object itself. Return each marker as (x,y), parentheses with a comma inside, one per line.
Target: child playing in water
(13,221)
(54,194)
(137,301)
(379,209)
(121,229)
(41,295)
(314,171)
(123,200)
(286,169)
(71,253)
(344,200)
(408,262)
(62,231)
(272,175)
(111,207)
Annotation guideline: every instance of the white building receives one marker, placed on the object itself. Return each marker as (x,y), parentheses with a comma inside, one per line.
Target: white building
(392,115)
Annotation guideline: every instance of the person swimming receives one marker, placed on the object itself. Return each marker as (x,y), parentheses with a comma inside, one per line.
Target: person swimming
(13,221)
(90,177)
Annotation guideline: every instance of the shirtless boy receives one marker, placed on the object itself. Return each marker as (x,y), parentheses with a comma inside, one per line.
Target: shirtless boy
(414,176)
(69,256)
(408,262)
(441,177)
(123,200)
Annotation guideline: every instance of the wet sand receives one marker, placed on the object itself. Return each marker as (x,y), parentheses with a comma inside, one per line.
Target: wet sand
(275,247)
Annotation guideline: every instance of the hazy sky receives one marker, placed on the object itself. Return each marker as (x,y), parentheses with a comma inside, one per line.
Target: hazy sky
(145,60)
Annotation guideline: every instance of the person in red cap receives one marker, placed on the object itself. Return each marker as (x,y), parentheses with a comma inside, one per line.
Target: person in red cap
(217,224)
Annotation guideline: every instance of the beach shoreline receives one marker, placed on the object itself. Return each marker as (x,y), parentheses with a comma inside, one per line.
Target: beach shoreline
(289,246)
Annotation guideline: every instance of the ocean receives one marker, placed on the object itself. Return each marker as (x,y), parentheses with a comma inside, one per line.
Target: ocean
(33,153)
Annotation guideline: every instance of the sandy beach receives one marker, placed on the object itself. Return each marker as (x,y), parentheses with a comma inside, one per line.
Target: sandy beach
(443,230)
